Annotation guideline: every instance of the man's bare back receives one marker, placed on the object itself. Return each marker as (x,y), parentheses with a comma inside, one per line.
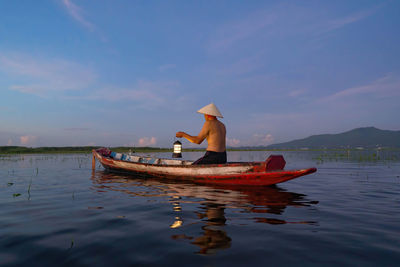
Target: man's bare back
(216,135)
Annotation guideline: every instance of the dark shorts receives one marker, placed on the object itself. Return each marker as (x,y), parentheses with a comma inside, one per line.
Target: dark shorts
(212,157)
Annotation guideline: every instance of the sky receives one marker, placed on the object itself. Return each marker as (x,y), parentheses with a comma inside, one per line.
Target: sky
(133,73)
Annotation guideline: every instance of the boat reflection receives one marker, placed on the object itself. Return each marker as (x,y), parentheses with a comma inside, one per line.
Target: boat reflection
(211,202)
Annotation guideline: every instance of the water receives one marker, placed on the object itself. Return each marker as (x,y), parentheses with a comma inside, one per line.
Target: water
(55,211)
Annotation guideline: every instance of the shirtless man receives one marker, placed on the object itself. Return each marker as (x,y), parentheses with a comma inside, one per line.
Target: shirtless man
(214,131)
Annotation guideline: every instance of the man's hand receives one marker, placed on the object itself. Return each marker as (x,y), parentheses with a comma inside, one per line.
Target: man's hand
(194,139)
(180,134)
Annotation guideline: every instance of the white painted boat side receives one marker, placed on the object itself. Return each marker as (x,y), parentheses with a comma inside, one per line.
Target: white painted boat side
(212,170)
(183,170)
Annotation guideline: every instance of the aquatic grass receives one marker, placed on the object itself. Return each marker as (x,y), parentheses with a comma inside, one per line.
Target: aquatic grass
(360,156)
(29,189)
(82,161)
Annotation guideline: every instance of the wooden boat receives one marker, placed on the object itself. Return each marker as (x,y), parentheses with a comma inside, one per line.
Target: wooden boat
(267,172)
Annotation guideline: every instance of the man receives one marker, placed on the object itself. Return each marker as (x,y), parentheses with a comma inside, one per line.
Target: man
(215,132)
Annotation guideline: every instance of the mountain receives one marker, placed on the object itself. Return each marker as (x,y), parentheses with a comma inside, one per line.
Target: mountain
(367,137)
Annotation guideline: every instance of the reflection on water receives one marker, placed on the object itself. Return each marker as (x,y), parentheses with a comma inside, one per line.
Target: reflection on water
(54,212)
(213,236)
(210,202)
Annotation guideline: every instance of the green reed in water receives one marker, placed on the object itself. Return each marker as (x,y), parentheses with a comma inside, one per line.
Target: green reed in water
(358,156)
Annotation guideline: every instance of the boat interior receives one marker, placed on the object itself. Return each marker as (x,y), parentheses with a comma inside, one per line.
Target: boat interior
(149,160)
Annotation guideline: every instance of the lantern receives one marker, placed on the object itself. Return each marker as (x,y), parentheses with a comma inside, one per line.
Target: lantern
(177,150)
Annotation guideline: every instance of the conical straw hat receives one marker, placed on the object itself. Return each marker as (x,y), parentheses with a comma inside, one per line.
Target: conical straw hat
(210,109)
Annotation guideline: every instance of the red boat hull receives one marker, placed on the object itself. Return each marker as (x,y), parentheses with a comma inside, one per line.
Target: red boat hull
(223,174)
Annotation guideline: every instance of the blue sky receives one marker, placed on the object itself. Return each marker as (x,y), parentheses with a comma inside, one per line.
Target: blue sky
(111,73)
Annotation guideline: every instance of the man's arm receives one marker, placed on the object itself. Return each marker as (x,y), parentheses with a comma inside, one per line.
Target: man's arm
(196,139)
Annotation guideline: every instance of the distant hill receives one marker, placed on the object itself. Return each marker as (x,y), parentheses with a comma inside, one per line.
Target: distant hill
(367,137)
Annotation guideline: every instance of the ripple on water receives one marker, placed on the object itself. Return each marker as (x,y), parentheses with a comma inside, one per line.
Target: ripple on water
(345,214)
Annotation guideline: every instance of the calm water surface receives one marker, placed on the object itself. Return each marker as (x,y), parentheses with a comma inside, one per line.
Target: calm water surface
(55,211)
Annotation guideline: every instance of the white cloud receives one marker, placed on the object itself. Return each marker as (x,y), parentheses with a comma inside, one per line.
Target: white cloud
(297,93)
(147,141)
(145,94)
(53,77)
(10,142)
(281,21)
(28,140)
(263,139)
(271,119)
(76,129)
(281,126)
(43,76)
(242,29)
(352,18)
(77,13)
(244,65)
(166,67)
(129,144)
(253,140)
(384,87)
(132,94)
(232,142)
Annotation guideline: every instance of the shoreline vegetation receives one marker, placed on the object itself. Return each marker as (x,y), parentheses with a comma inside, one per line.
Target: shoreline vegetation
(88,149)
